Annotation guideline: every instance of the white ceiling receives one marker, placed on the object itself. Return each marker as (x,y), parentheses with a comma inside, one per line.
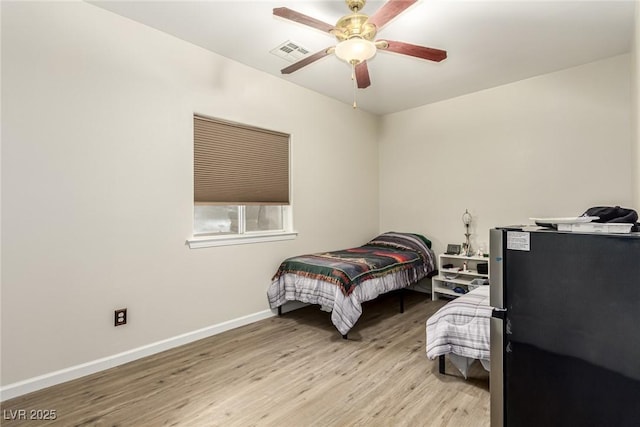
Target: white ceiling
(489,43)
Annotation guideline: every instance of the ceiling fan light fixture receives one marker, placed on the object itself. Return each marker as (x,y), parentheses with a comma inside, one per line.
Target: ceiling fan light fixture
(355,50)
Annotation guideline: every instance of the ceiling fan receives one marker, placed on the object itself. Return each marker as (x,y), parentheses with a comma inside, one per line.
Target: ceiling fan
(355,34)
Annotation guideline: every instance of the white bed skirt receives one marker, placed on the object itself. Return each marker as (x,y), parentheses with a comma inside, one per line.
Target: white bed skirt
(345,310)
(464,363)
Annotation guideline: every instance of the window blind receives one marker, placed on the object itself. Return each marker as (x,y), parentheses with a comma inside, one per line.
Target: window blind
(236,164)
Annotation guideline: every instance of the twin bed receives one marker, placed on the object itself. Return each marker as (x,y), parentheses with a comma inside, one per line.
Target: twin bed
(339,281)
(460,331)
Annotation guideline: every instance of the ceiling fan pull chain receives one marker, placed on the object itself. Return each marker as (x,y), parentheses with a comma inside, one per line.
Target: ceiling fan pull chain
(355,83)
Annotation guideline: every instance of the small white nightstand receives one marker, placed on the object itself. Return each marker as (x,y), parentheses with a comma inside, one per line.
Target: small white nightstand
(457,276)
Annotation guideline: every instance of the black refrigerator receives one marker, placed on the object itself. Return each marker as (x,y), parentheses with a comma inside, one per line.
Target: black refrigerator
(565,331)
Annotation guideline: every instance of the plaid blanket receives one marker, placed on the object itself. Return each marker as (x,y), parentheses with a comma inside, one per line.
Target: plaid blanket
(388,253)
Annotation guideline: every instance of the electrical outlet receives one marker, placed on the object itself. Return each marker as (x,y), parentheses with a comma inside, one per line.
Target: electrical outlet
(120,317)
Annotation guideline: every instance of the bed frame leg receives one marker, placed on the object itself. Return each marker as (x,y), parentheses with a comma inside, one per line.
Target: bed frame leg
(401,293)
(441,364)
(279,310)
(344,336)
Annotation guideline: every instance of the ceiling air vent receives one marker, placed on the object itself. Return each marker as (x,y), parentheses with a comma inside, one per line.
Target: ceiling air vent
(291,51)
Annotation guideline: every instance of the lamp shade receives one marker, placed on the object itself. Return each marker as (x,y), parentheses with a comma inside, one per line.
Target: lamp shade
(355,50)
(466,218)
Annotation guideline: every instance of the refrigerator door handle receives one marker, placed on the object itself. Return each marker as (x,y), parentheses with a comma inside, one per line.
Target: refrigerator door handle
(499,313)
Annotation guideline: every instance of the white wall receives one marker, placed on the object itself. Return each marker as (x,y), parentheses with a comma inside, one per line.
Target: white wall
(552,145)
(635,54)
(97,184)
(97,176)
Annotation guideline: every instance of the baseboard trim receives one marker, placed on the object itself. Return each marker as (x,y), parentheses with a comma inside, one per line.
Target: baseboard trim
(30,385)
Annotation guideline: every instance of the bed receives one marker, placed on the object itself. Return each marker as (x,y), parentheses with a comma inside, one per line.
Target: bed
(460,331)
(339,281)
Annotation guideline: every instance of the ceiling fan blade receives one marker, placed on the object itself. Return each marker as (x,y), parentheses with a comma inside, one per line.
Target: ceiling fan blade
(362,75)
(421,52)
(306,61)
(388,11)
(292,15)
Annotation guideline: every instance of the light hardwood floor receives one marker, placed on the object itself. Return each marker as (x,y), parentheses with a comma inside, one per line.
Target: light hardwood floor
(294,370)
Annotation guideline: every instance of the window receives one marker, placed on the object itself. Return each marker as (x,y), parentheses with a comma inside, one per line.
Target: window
(241,183)
(238,219)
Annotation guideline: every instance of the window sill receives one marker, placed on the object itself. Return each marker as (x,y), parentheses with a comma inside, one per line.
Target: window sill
(209,241)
